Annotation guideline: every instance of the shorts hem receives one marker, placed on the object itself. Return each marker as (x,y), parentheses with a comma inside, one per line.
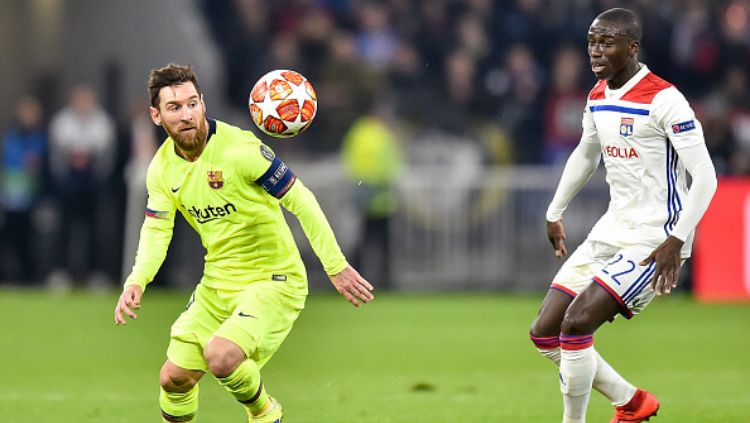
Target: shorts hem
(624,310)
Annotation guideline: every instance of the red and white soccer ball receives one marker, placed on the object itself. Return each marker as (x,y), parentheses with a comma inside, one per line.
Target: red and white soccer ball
(283,103)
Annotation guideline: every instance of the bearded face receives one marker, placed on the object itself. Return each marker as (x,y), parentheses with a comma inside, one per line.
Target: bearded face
(182,114)
(188,135)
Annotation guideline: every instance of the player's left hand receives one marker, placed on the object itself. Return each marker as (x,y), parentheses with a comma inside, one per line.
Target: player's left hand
(352,286)
(667,269)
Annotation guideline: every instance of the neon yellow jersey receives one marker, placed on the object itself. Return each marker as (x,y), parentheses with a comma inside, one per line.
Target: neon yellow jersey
(230,195)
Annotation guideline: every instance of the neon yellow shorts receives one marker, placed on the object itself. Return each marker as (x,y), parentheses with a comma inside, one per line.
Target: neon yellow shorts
(258,319)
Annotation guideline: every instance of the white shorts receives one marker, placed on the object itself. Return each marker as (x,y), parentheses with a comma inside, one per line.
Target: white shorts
(615,269)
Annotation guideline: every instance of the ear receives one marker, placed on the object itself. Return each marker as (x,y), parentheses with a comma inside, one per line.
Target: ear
(155,116)
(635,46)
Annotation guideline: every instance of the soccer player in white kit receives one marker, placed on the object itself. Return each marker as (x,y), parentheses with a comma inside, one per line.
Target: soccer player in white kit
(647,135)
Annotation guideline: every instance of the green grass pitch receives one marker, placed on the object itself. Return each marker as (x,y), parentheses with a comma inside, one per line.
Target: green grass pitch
(403,358)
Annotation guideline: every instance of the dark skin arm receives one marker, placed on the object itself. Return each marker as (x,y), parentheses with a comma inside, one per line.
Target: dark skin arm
(556,236)
(667,258)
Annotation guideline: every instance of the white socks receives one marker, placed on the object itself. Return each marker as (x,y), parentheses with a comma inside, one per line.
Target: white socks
(606,380)
(578,365)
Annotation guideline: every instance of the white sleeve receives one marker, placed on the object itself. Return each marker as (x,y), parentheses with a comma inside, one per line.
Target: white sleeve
(581,164)
(677,119)
(698,163)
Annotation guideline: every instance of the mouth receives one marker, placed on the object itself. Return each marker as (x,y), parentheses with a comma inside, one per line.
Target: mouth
(185,130)
(597,67)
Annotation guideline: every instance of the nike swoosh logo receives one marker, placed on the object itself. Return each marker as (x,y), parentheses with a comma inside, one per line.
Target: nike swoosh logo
(176,189)
(247,315)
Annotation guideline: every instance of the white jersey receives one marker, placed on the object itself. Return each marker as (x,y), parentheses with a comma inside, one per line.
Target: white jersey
(639,128)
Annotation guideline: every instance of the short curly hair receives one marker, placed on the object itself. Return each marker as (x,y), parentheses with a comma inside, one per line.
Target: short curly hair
(172,74)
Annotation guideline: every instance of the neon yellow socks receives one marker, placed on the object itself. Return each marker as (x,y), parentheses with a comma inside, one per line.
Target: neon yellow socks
(245,384)
(179,407)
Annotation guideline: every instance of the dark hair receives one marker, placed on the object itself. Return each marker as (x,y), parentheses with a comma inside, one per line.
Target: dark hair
(172,74)
(625,20)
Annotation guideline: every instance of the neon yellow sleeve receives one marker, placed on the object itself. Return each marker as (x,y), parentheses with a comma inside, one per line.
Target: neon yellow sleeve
(156,233)
(302,203)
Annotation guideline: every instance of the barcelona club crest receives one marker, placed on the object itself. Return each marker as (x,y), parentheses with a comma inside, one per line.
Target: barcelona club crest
(626,126)
(215,179)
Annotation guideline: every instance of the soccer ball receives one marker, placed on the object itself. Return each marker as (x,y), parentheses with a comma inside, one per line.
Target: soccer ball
(283,103)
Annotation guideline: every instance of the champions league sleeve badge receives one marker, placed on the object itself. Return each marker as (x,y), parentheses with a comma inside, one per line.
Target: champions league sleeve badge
(626,126)
(266,153)
(215,179)
(683,126)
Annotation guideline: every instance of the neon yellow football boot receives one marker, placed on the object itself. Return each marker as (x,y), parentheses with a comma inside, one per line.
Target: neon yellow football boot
(274,414)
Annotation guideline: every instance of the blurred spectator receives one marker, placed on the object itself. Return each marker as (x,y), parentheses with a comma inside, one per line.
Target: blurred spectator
(142,134)
(695,47)
(457,64)
(523,22)
(315,35)
(459,109)
(409,88)
(433,35)
(725,116)
(521,111)
(734,21)
(350,89)
(82,157)
(564,106)
(24,150)
(373,160)
(376,40)
(242,30)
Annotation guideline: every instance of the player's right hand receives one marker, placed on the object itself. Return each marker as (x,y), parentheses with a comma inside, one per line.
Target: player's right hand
(130,300)
(556,236)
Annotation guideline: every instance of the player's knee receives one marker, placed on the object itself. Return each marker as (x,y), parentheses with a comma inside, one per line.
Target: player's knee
(223,357)
(172,380)
(576,324)
(544,326)
(538,329)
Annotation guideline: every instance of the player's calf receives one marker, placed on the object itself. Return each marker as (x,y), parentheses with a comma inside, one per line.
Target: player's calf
(178,398)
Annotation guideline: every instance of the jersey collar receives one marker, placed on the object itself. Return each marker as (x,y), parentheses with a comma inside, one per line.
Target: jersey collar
(609,93)
(211,129)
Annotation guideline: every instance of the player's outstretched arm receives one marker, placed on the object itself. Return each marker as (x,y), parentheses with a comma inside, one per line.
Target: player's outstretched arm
(667,268)
(352,286)
(556,236)
(129,300)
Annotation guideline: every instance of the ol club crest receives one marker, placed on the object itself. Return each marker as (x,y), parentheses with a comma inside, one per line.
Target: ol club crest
(626,126)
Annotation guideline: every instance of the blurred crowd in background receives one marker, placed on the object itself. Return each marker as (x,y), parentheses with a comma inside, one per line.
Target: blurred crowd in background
(508,77)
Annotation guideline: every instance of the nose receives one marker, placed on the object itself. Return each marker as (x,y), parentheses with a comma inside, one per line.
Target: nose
(595,50)
(187,114)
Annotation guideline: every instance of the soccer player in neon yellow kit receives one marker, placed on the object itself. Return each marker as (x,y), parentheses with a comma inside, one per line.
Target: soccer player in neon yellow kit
(228,186)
